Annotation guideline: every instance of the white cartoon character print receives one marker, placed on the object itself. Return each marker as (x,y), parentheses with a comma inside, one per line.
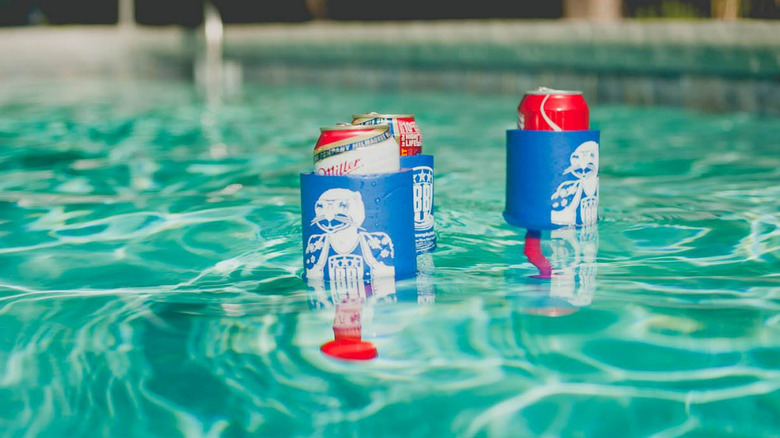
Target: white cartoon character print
(575,202)
(346,254)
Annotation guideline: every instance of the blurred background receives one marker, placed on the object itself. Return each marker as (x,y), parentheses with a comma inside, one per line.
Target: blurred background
(190,12)
(718,55)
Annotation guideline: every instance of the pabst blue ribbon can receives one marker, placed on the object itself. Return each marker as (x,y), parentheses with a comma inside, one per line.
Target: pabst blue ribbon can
(545,109)
(403,127)
(348,149)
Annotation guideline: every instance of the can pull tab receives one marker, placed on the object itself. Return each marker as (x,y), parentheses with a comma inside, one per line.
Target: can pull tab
(544,114)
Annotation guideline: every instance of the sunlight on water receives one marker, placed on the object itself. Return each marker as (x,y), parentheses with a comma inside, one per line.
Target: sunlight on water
(150,264)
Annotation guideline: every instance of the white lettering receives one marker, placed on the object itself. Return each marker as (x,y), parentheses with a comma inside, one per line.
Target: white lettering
(342,168)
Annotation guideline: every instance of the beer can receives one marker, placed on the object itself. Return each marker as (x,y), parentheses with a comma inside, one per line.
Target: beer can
(347,149)
(552,164)
(545,109)
(403,127)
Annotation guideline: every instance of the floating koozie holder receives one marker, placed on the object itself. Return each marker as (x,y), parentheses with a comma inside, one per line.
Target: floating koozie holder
(422,176)
(358,228)
(552,178)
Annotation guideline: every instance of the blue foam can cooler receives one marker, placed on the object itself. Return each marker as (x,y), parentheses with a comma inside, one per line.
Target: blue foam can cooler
(422,176)
(358,228)
(552,178)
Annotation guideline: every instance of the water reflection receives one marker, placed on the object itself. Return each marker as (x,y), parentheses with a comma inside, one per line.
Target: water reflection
(574,264)
(425,269)
(354,304)
(566,280)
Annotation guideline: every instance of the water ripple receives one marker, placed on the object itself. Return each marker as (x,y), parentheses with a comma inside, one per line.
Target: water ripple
(150,276)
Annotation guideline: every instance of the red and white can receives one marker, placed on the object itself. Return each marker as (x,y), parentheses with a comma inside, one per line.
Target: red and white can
(348,149)
(545,109)
(403,127)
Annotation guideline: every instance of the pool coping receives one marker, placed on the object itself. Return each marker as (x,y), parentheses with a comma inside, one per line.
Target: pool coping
(705,64)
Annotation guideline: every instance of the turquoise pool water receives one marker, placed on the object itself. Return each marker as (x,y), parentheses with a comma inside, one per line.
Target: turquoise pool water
(150,275)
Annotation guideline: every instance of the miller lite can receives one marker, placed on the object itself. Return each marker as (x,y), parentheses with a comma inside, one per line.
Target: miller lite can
(348,149)
(545,109)
(403,127)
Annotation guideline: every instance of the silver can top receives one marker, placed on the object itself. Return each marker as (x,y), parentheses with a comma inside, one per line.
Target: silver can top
(545,91)
(350,127)
(374,115)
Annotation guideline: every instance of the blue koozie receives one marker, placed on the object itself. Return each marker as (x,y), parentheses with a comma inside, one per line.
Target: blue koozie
(357,228)
(422,176)
(552,178)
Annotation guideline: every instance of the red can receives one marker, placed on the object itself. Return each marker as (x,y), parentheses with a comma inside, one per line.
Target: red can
(403,127)
(545,109)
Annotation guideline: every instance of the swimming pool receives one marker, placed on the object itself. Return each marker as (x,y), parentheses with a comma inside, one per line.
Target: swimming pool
(150,271)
